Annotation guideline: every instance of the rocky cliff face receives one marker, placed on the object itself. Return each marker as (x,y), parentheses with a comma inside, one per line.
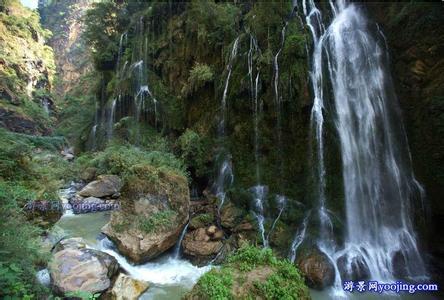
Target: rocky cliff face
(64,19)
(26,71)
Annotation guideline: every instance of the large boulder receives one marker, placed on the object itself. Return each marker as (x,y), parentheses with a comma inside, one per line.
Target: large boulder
(317,268)
(203,244)
(154,211)
(104,186)
(69,243)
(127,288)
(82,269)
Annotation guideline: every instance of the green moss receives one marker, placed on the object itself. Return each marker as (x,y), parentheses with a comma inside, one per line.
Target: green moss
(202,220)
(158,221)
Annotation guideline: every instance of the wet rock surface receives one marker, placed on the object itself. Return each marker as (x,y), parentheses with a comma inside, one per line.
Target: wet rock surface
(317,269)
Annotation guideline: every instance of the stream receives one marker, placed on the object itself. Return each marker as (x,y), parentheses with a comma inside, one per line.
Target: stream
(169,276)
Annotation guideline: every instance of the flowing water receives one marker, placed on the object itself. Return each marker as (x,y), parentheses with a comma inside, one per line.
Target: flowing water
(259,193)
(170,276)
(377,175)
(224,177)
(298,238)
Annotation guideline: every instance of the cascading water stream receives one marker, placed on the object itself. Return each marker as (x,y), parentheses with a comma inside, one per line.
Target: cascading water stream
(281,201)
(377,174)
(259,195)
(314,22)
(259,191)
(179,243)
(298,238)
(224,177)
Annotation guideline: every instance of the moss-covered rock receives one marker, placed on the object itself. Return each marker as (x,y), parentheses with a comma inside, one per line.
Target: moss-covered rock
(251,273)
(154,211)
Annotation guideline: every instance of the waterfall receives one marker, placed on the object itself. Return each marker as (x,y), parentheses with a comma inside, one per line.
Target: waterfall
(225,171)
(377,174)
(259,192)
(45,104)
(314,22)
(93,136)
(111,118)
(298,238)
(278,100)
(179,242)
(281,201)
(259,195)
(257,103)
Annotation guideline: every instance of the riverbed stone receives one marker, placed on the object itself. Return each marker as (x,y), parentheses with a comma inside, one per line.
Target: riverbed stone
(128,288)
(152,215)
(317,268)
(104,186)
(82,269)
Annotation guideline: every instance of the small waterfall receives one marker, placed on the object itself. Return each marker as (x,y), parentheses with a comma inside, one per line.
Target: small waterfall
(93,137)
(45,105)
(224,179)
(259,196)
(111,118)
(257,103)
(179,243)
(298,238)
(281,201)
(377,175)
(278,100)
(229,68)
(225,176)
(123,42)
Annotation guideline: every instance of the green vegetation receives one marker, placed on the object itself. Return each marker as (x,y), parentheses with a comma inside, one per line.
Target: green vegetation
(157,222)
(202,220)
(250,273)
(120,160)
(27,69)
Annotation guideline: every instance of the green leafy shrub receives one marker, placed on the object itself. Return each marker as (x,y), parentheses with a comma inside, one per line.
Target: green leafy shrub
(119,159)
(19,247)
(200,74)
(217,285)
(283,281)
(194,151)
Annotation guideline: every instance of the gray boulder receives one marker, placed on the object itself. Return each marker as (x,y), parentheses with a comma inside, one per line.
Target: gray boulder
(104,186)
